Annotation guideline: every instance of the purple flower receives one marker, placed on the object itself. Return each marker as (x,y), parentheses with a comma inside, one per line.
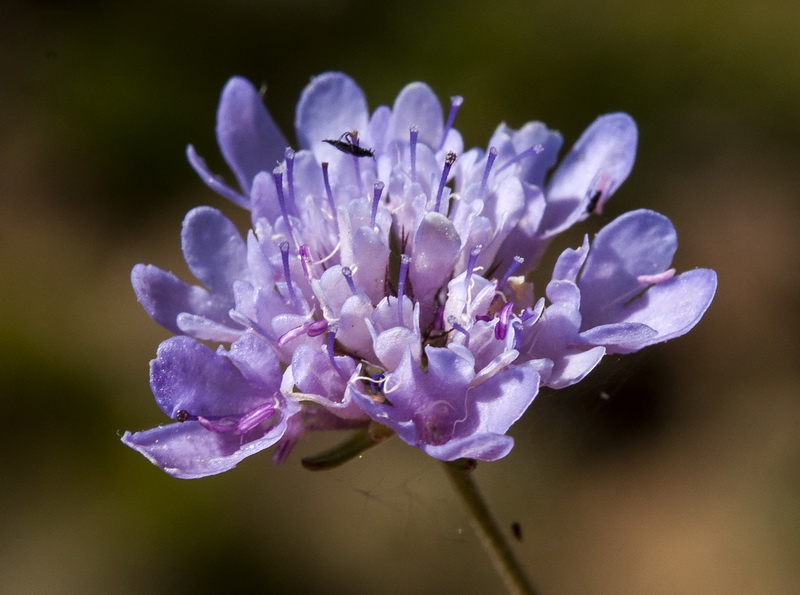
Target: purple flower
(382,281)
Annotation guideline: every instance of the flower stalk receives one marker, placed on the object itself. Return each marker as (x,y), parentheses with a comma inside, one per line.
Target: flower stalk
(487,529)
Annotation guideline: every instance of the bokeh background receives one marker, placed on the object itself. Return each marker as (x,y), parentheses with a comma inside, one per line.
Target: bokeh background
(686,480)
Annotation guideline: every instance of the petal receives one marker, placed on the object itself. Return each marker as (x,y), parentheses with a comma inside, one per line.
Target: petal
(329,106)
(164,297)
(214,250)
(435,250)
(600,161)
(572,367)
(213,181)
(637,243)
(673,307)
(248,137)
(571,261)
(483,447)
(187,375)
(189,451)
(621,337)
(417,105)
(204,329)
(503,398)
(256,360)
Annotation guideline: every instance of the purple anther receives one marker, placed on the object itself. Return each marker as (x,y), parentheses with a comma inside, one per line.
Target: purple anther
(490,157)
(316,328)
(515,264)
(455,104)
(292,334)
(254,417)
(218,425)
(377,189)
(503,319)
(657,278)
(449,160)
(412,148)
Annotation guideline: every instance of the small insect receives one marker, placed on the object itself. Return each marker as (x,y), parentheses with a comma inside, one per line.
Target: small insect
(516,529)
(593,200)
(348,143)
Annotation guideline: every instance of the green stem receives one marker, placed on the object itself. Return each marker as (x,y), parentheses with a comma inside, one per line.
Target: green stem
(353,447)
(487,529)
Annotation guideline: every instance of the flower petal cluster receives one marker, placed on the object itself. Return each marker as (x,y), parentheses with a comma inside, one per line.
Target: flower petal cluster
(383,279)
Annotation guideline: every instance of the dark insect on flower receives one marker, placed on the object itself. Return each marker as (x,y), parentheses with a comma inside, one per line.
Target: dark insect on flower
(593,200)
(348,143)
(516,529)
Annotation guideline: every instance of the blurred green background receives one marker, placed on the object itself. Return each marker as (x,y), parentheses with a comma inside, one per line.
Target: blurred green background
(687,480)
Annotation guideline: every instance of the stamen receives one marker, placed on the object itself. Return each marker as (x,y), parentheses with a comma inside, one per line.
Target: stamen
(473,257)
(287,275)
(503,318)
(534,150)
(348,276)
(405,259)
(451,320)
(254,417)
(248,322)
(277,175)
(331,339)
(317,327)
(414,132)
(438,318)
(376,197)
(225,424)
(328,192)
(657,278)
(290,175)
(455,103)
(490,157)
(449,160)
(515,264)
(218,425)
(292,334)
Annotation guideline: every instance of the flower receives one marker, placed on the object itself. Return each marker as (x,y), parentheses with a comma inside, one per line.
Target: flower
(382,283)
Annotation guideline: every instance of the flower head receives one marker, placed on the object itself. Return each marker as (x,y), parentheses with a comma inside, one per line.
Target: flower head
(382,281)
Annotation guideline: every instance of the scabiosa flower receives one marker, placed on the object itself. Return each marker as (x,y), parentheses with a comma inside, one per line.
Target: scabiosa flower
(382,283)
